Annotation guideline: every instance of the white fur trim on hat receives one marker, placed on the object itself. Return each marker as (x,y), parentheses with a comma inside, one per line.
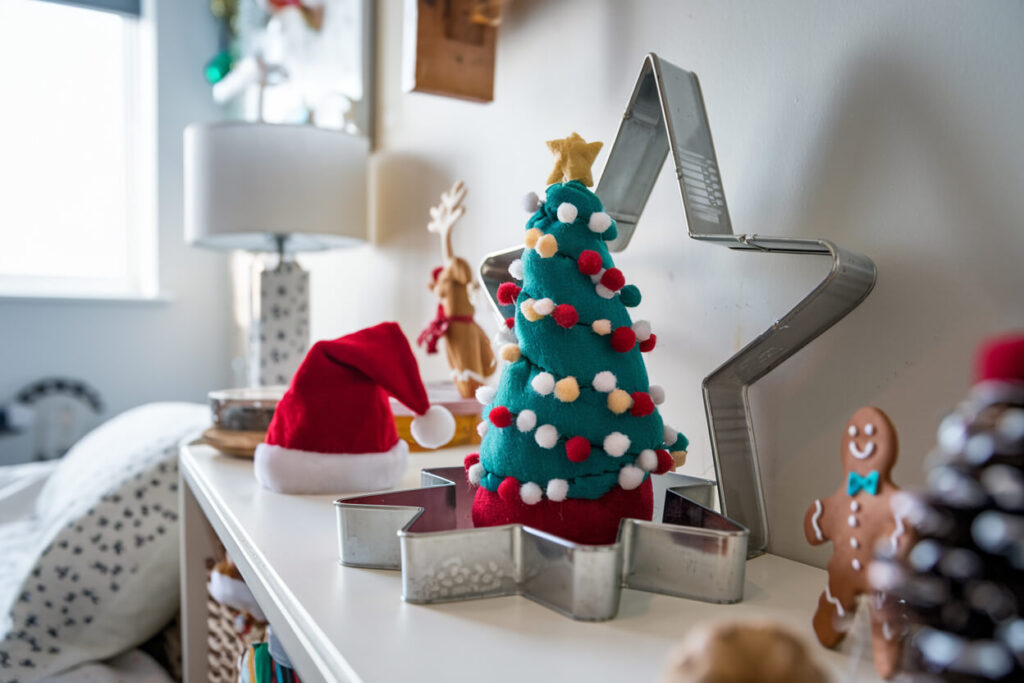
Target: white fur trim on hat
(290,470)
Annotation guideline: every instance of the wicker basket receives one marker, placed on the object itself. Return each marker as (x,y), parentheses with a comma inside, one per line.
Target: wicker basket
(230,632)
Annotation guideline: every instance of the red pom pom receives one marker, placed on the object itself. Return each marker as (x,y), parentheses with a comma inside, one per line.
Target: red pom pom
(507,293)
(577,449)
(510,323)
(1000,358)
(643,404)
(613,279)
(648,344)
(589,262)
(500,416)
(665,462)
(623,339)
(508,490)
(471,459)
(565,315)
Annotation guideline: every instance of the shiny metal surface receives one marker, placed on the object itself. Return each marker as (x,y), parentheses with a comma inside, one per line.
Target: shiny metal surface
(665,115)
(428,533)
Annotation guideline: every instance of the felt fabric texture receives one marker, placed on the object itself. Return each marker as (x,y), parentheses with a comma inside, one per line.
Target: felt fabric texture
(552,375)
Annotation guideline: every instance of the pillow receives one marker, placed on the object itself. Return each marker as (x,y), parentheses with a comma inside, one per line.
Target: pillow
(97,571)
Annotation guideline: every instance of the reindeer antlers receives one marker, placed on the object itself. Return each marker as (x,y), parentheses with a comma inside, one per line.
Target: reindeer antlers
(444,215)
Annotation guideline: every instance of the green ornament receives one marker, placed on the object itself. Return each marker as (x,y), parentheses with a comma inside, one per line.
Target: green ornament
(218,67)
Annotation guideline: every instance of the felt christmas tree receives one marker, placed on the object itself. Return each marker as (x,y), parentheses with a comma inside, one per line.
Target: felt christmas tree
(572,434)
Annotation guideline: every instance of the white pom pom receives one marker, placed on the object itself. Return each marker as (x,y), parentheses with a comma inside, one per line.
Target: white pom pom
(642,329)
(599,222)
(596,277)
(546,436)
(543,383)
(475,473)
(616,444)
(531,202)
(544,306)
(526,420)
(515,269)
(657,393)
(671,435)
(647,460)
(481,428)
(602,327)
(630,477)
(434,428)
(567,212)
(530,493)
(604,381)
(485,394)
(558,489)
(604,292)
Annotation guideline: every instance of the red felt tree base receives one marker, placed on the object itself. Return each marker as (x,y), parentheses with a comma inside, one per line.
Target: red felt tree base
(594,522)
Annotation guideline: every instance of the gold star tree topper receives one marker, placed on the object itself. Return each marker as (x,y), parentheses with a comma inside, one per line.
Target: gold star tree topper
(573,158)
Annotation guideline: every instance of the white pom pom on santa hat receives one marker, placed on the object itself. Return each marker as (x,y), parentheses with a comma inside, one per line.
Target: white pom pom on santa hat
(434,428)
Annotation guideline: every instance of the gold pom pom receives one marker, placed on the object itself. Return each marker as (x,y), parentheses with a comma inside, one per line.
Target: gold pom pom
(510,352)
(547,246)
(602,327)
(567,390)
(527,309)
(679,458)
(532,235)
(619,401)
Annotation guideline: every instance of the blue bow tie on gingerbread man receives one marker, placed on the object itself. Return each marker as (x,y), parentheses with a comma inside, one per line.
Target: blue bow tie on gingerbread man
(868,484)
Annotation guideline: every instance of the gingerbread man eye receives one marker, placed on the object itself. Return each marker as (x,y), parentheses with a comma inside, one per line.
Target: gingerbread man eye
(852,431)
(869,429)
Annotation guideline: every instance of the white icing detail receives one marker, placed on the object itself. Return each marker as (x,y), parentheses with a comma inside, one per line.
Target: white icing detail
(855,564)
(869,429)
(869,448)
(852,520)
(899,531)
(815,518)
(468,374)
(886,630)
(839,607)
(852,430)
(854,505)
(854,543)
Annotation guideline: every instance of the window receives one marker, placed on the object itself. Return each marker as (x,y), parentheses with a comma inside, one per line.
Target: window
(76,161)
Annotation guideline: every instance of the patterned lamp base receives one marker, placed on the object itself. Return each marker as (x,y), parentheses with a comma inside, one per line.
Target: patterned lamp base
(279,335)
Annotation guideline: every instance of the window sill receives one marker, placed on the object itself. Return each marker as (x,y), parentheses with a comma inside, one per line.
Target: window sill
(160,298)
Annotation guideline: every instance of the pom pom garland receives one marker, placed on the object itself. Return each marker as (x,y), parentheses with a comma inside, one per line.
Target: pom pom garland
(619,401)
(510,353)
(643,405)
(481,428)
(599,222)
(544,306)
(510,322)
(526,420)
(485,394)
(623,339)
(589,262)
(604,381)
(657,394)
(671,435)
(613,279)
(508,292)
(602,327)
(434,428)
(565,315)
(647,460)
(508,490)
(604,292)
(567,212)
(616,444)
(530,493)
(649,343)
(475,473)
(528,312)
(630,477)
(531,202)
(630,296)
(515,269)
(547,246)
(532,236)
(544,383)
(557,490)
(546,436)
(567,390)
(500,417)
(642,328)
(596,277)
(577,449)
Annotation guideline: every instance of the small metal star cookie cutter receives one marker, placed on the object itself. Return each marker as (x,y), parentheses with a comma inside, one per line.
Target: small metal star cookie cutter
(666,114)
(428,533)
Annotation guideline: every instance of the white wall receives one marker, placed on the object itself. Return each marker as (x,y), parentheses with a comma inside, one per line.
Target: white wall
(139,352)
(893,128)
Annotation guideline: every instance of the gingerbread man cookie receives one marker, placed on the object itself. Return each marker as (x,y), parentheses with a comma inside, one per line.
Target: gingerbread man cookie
(856,518)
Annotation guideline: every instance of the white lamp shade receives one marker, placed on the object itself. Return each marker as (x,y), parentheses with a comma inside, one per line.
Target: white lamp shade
(247,183)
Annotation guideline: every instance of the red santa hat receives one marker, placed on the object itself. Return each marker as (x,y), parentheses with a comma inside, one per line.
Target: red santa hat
(333,431)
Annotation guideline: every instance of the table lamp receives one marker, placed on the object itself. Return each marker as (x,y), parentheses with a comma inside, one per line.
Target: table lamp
(280,189)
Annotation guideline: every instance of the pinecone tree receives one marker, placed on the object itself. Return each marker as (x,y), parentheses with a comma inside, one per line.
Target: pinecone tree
(572,432)
(963,578)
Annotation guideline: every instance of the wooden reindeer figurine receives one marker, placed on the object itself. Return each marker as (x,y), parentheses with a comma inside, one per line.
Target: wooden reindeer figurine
(469,351)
